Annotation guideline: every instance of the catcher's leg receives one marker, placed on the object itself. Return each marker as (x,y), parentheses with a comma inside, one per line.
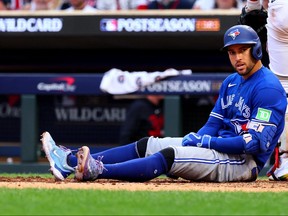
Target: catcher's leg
(279,171)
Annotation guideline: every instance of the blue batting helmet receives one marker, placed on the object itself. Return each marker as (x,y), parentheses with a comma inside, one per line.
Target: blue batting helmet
(243,34)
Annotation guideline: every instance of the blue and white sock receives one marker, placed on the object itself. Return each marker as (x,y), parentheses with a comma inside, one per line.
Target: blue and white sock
(136,170)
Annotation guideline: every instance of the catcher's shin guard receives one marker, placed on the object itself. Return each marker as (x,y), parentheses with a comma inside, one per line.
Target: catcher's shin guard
(270,172)
(279,171)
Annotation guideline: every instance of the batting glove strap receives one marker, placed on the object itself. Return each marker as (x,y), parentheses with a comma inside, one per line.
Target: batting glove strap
(205,142)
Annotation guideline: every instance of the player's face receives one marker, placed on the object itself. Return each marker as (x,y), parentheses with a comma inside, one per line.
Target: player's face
(241,59)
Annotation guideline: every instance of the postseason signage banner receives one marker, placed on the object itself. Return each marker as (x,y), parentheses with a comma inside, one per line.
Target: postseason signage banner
(159,24)
(196,84)
(117,31)
(103,25)
(32,24)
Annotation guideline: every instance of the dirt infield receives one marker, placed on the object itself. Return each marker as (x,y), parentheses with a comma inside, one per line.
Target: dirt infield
(159,184)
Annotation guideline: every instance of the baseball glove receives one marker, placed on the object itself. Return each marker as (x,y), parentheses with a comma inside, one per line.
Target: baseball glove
(256,19)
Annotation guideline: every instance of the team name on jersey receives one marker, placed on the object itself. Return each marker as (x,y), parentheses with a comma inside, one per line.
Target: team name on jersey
(229,99)
(240,105)
(243,108)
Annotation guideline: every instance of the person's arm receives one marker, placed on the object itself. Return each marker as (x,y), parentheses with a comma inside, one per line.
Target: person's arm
(257,140)
(266,116)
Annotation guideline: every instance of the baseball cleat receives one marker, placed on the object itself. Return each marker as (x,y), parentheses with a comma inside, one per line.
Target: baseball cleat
(87,168)
(57,157)
(280,173)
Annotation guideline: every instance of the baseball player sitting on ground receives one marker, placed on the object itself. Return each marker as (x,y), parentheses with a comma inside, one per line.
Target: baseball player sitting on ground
(277,48)
(234,144)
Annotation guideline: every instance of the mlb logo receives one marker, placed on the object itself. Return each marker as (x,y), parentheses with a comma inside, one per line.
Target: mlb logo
(108,25)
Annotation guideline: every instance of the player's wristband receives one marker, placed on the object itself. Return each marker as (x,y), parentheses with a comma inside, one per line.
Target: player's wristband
(205,142)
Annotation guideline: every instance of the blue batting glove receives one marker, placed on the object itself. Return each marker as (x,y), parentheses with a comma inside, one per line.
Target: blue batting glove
(194,139)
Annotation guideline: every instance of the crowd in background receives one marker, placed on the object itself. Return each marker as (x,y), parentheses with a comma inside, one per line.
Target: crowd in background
(94,5)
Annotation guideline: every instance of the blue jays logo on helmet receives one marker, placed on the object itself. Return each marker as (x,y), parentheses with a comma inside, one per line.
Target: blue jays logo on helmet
(243,34)
(234,34)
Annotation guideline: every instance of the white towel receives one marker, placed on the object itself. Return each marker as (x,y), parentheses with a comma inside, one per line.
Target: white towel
(116,81)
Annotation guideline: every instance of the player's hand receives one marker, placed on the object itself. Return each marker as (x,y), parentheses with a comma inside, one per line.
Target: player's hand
(194,139)
(257,19)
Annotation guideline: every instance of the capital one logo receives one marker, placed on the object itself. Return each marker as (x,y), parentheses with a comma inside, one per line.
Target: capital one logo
(263,114)
(64,84)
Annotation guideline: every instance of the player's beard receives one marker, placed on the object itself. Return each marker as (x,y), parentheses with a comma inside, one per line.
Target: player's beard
(246,69)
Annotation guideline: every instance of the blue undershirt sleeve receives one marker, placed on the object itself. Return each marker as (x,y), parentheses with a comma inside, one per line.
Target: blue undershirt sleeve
(230,145)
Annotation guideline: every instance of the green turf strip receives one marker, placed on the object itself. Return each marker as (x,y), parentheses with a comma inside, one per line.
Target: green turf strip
(98,202)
